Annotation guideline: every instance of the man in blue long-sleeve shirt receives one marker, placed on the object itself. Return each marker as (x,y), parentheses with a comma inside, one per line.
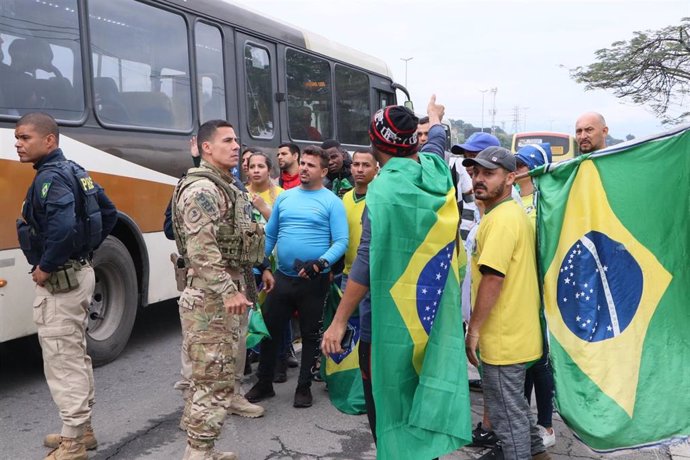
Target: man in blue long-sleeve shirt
(309,227)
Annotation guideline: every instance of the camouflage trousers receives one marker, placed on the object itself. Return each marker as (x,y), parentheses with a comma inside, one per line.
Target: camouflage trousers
(210,338)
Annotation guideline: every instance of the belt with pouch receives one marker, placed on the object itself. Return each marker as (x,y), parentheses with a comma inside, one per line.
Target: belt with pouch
(76,264)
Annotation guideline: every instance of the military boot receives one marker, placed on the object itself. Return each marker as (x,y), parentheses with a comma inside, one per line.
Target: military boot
(240,406)
(69,449)
(53,440)
(192,453)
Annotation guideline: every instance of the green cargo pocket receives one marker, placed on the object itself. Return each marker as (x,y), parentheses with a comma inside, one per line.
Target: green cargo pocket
(212,362)
(187,300)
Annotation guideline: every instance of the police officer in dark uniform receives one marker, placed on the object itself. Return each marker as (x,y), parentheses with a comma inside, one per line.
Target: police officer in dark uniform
(65,216)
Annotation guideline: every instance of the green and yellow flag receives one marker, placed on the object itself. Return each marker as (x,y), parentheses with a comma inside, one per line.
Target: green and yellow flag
(614,245)
(341,371)
(419,369)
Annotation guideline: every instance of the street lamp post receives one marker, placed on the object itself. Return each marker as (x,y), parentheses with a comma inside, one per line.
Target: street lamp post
(406,61)
(483,91)
(493,111)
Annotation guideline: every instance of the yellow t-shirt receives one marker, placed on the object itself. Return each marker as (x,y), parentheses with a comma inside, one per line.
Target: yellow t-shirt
(528,206)
(506,243)
(353,209)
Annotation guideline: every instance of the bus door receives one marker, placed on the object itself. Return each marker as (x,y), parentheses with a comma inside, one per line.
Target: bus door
(258,81)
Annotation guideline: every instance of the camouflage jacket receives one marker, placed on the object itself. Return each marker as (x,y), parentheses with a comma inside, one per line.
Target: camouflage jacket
(200,212)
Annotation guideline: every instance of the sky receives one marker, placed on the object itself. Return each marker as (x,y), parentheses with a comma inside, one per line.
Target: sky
(523,49)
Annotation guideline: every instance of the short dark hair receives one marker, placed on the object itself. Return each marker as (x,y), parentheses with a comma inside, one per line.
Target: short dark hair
(208,130)
(294,148)
(329,143)
(423,121)
(365,150)
(269,162)
(315,151)
(43,122)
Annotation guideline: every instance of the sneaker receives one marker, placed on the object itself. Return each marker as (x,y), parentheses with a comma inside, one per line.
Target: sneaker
(259,392)
(191,453)
(541,456)
(292,360)
(476,385)
(89,440)
(496,453)
(69,449)
(240,406)
(482,437)
(252,357)
(303,397)
(281,371)
(549,439)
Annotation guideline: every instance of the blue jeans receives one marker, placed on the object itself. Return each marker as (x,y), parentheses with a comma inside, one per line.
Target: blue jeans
(540,375)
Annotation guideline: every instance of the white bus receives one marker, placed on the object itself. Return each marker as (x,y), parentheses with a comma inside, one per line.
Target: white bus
(129,81)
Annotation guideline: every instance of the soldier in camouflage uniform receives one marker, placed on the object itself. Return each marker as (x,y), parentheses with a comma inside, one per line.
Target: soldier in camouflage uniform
(215,235)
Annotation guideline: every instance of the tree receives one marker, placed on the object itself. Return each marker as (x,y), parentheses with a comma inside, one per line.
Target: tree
(652,68)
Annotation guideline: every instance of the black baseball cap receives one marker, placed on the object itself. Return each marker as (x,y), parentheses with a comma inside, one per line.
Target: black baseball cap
(492,158)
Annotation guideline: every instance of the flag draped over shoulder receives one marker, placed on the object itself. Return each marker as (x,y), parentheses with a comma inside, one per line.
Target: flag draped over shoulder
(419,370)
(341,371)
(614,245)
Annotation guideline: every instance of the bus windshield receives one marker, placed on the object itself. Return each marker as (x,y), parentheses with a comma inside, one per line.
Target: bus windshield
(562,145)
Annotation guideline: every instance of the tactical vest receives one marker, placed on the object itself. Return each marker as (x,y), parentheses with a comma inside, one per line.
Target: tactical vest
(241,242)
(89,222)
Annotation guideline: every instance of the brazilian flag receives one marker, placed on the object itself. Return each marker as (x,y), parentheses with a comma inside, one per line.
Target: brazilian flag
(341,370)
(418,369)
(614,248)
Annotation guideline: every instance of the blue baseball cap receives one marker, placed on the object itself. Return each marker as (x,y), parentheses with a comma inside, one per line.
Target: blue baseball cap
(534,155)
(476,143)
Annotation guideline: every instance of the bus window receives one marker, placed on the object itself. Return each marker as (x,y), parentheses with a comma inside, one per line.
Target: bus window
(562,145)
(259,91)
(352,105)
(309,96)
(40,66)
(210,73)
(386,99)
(141,65)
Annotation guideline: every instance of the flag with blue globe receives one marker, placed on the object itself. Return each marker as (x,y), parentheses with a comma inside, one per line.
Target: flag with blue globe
(613,231)
(599,287)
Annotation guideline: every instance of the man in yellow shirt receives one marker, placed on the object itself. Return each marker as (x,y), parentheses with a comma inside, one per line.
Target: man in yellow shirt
(504,324)
(364,170)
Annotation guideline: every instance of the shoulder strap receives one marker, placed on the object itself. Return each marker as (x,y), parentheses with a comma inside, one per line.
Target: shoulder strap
(216,179)
(193,175)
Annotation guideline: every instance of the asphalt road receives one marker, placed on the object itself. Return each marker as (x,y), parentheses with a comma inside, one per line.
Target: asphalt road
(137,411)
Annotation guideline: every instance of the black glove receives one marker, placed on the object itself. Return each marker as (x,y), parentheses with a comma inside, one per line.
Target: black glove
(309,269)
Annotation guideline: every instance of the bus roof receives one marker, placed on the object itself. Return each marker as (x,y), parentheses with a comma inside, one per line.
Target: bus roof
(253,22)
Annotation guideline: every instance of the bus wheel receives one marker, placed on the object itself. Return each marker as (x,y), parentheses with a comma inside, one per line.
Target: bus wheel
(114,305)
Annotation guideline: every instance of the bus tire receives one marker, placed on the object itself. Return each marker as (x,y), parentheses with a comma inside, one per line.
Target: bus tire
(114,304)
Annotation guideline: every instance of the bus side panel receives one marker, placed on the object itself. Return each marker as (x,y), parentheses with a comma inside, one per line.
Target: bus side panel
(162,276)
(16,297)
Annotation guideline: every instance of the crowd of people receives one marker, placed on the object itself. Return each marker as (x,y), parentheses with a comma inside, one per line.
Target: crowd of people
(244,236)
